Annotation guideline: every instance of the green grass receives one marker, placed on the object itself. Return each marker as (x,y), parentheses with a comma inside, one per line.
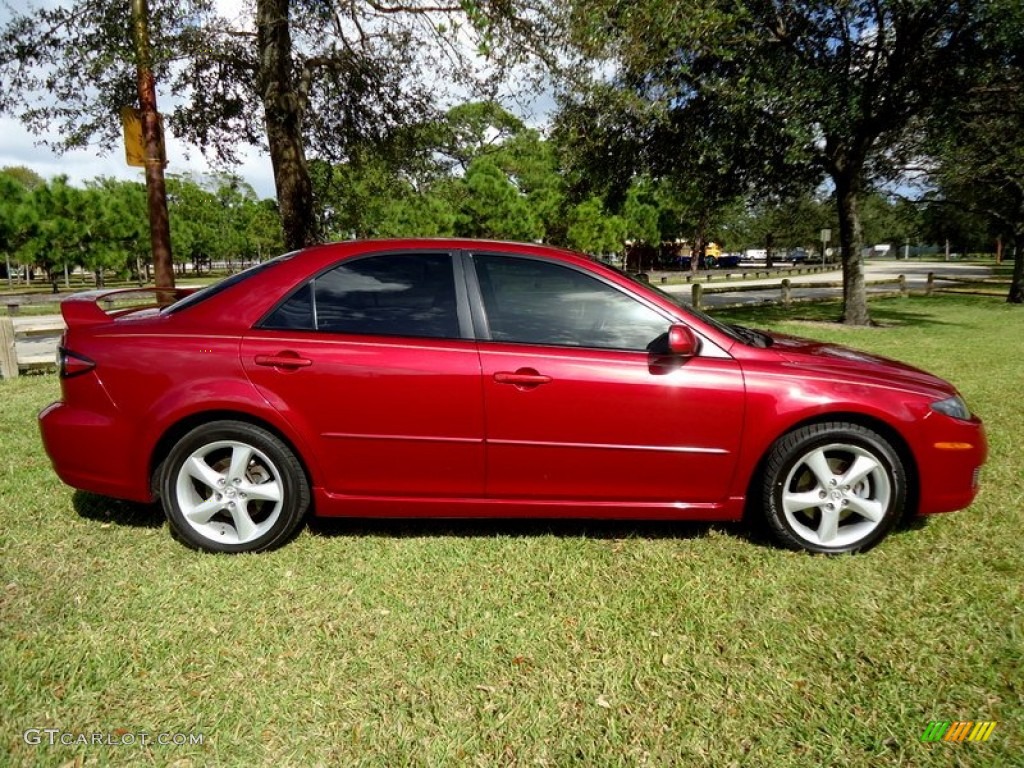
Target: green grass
(524,643)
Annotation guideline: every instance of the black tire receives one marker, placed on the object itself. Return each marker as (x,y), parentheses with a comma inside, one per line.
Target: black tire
(230,486)
(808,504)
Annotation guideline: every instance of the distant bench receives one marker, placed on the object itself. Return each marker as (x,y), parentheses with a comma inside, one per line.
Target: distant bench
(21,339)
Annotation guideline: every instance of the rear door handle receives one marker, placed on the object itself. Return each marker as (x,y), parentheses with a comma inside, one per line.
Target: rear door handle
(523,378)
(283,360)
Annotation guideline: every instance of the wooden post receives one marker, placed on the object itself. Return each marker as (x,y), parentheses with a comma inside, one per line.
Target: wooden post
(8,352)
(929,286)
(787,295)
(903,286)
(698,290)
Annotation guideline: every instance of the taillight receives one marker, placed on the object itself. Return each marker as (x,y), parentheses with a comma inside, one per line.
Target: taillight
(72,364)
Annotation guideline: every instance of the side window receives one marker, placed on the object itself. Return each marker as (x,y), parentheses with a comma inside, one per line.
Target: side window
(536,302)
(387,295)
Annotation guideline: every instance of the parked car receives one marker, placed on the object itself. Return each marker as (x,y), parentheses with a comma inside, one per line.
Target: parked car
(459,378)
(721,261)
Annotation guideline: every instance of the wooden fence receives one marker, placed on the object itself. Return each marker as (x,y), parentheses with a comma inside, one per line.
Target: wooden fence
(786,287)
(18,352)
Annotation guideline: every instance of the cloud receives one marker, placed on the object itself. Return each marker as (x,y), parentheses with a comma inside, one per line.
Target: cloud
(19,147)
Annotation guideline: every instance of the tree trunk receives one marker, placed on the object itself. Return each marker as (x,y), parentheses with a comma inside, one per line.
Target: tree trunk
(156,188)
(283,108)
(855,298)
(1016,295)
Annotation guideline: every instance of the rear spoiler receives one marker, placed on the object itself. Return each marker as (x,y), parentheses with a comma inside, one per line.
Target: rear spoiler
(102,306)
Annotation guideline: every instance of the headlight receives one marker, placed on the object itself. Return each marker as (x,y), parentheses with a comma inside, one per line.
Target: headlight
(953,406)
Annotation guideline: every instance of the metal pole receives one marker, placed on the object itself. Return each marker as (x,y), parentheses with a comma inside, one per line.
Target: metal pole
(156,191)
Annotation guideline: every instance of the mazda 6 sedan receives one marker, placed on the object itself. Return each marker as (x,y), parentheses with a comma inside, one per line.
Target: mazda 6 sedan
(460,378)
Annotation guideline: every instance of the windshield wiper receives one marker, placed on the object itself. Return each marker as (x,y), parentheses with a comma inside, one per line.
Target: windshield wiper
(756,338)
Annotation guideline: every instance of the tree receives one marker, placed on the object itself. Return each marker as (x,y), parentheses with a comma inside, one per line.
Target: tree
(792,222)
(477,170)
(493,207)
(14,227)
(121,233)
(640,213)
(977,150)
(839,83)
(593,230)
(61,227)
(296,77)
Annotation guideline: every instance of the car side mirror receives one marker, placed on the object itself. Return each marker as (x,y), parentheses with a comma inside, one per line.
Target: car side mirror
(682,341)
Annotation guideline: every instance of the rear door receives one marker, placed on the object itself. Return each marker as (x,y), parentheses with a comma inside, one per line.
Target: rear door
(372,360)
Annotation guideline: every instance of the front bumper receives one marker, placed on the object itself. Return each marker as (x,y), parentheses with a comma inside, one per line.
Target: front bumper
(950,458)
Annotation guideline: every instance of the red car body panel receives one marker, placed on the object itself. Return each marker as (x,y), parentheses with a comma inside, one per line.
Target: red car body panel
(590,433)
(469,426)
(386,416)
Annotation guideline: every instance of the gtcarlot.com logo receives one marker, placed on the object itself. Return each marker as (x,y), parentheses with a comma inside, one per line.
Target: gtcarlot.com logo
(959,730)
(119,737)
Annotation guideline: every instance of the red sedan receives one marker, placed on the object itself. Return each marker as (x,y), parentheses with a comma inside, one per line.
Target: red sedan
(457,378)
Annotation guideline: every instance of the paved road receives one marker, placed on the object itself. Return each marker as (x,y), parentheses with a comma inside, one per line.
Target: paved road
(915,271)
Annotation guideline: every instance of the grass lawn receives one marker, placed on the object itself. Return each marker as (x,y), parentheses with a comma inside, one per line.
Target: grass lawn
(523,643)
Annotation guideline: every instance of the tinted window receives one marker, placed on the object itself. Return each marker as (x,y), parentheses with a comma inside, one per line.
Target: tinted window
(393,295)
(537,302)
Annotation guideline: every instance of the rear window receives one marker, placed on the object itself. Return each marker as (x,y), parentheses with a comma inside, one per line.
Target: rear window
(212,290)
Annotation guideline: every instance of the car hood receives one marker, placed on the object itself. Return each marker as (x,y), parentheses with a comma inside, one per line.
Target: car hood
(852,364)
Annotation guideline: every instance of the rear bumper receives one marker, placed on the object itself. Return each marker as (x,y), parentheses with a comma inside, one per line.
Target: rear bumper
(89,452)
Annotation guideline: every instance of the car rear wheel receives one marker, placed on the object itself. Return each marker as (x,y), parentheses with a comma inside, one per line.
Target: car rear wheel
(229,486)
(833,488)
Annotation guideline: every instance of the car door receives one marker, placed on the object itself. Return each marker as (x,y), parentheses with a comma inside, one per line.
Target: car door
(372,360)
(576,406)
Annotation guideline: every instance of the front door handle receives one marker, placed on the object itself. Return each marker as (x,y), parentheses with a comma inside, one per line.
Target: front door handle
(288,360)
(524,378)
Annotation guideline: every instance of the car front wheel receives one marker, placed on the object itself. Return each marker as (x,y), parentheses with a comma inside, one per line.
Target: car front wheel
(229,486)
(833,488)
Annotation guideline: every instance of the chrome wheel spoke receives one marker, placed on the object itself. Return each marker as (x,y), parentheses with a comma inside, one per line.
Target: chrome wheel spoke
(202,512)
(241,455)
(817,462)
(829,525)
(244,525)
(263,492)
(796,502)
(861,468)
(868,508)
(197,468)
